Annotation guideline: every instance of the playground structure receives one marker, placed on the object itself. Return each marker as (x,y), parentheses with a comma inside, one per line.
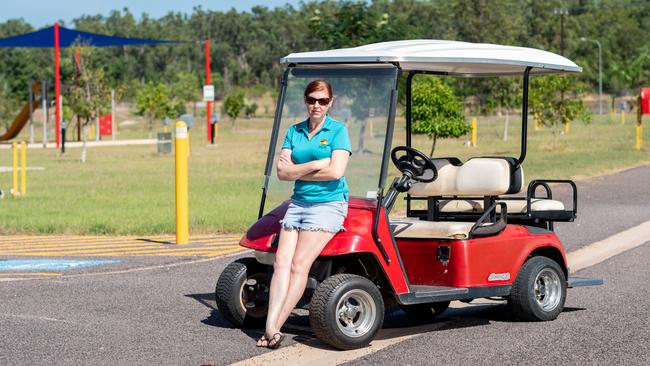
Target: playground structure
(24,115)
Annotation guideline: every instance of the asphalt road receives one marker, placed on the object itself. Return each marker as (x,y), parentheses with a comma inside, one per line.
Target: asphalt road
(165,315)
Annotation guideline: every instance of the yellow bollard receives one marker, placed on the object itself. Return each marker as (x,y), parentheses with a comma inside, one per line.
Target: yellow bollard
(14,151)
(622,117)
(474,131)
(567,128)
(23,168)
(371,133)
(182,205)
(639,137)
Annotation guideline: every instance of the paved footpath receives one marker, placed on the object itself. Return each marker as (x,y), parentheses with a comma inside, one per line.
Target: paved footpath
(157,308)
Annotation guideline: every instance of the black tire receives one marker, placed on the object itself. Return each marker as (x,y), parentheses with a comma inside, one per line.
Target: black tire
(336,299)
(539,291)
(427,311)
(242,304)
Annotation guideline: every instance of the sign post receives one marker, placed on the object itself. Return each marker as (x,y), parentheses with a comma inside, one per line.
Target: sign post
(208,98)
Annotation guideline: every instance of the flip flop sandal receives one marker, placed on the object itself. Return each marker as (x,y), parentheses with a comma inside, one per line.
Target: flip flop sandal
(278,340)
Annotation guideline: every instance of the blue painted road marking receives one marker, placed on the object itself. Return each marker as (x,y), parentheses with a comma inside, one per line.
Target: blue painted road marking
(49,264)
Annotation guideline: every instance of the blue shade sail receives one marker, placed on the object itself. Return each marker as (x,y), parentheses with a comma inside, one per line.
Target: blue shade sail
(44,38)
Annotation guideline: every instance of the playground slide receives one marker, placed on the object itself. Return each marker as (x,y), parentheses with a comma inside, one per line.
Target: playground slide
(23,117)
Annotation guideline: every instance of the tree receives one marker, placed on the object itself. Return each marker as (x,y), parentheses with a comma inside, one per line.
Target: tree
(250,109)
(8,106)
(187,88)
(367,96)
(88,94)
(234,104)
(505,92)
(557,99)
(436,111)
(154,102)
(634,73)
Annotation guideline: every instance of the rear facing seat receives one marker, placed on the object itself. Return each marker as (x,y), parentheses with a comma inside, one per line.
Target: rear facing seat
(515,206)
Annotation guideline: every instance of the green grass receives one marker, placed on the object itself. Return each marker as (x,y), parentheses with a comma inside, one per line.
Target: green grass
(130,190)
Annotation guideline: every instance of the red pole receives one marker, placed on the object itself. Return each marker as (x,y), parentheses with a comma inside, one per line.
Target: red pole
(57,85)
(77,76)
(207,82)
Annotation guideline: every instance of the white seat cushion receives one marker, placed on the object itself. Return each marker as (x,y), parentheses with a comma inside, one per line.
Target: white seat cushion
(446,182)
(419,229)
(477,177)
(514,206)
(536,204)
(483,176)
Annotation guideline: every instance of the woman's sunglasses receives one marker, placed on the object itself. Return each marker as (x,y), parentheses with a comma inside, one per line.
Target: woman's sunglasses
(321,101)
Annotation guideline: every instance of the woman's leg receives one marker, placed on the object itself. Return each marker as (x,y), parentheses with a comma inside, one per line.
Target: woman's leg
(309,246)
(280,279)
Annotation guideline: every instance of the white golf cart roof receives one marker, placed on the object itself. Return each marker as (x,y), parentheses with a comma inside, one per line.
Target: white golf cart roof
(451,57)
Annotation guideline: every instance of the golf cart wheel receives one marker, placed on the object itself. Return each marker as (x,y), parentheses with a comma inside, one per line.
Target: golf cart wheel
(539,290)
(426,311)
(242,293)
(346,311)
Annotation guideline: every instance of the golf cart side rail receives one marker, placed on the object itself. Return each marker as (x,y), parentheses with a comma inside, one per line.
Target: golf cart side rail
(567,215)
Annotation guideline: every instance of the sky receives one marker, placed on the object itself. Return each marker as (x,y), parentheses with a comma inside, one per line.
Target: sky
(44,12)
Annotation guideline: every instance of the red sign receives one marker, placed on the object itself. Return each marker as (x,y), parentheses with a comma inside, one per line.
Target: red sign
(645,100)
(106,125)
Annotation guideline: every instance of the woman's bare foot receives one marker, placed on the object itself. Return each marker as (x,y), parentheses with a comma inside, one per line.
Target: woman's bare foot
(263,341)
(276,340)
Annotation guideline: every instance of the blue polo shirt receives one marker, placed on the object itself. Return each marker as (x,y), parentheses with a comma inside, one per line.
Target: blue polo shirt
(333,135)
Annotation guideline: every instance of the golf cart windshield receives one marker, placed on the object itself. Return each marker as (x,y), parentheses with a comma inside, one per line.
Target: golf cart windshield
(363,100)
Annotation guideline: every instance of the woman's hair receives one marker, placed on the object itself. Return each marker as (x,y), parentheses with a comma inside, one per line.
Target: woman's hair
(318,85)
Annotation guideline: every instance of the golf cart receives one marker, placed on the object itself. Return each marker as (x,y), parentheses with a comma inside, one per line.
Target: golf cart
(463,235)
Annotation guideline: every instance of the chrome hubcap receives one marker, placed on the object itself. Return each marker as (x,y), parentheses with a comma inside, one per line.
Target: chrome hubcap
(356,312)
(548,289)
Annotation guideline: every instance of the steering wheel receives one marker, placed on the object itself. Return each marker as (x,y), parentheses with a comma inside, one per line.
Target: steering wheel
(414,164)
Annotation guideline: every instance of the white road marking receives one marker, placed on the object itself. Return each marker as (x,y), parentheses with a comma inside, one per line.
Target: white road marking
(616,244)
(35,317)
(314,353)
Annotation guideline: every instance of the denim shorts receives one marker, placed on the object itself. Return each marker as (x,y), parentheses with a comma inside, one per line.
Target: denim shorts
(322,216)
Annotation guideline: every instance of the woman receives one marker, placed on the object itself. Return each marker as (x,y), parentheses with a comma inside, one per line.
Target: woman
(315,154)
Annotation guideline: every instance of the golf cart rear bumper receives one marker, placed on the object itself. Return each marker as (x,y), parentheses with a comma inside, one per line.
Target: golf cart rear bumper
(583,281)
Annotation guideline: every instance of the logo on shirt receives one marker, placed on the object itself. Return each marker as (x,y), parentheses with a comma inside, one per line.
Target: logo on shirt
(324,142)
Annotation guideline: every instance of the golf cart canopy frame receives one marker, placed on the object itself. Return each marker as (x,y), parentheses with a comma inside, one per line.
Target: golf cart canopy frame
(443,57)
